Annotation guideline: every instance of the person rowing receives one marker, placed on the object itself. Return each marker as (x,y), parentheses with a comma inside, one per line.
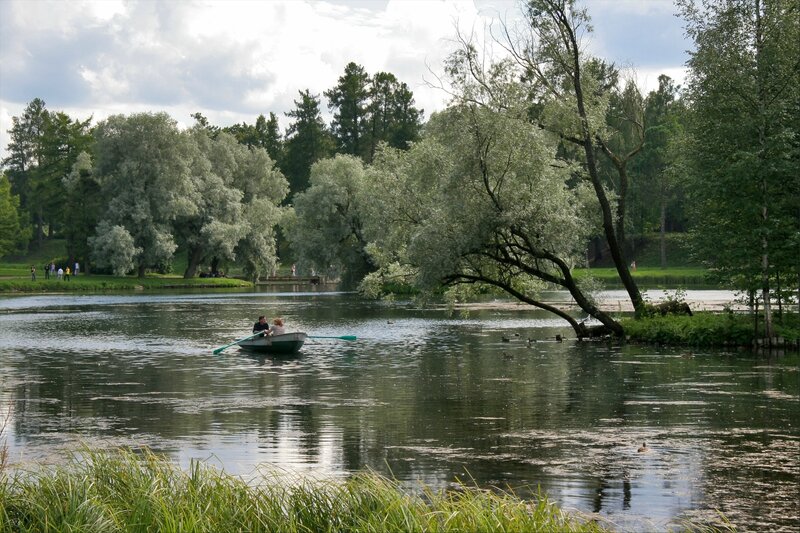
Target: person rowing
(261,326)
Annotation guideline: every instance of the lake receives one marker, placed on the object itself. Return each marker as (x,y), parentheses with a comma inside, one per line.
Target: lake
(490,399)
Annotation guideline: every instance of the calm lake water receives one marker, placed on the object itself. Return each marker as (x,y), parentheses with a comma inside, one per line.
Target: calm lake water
(428,399)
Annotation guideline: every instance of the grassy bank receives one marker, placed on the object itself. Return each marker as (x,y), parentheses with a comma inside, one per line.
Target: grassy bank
(83,283)
(709,329)
(15,275)
(127,492)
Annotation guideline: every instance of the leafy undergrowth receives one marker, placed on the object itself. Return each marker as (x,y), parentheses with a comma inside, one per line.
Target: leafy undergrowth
(708,329)
(125,491)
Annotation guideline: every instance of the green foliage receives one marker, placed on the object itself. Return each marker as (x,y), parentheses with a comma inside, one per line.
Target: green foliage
(348,101)
(744,154)
(84,206)
(236,192)
(307,141)
(14,234)
(142,165)
(113,247)
(703,329)
(44,145)
(327,232)
(127,491)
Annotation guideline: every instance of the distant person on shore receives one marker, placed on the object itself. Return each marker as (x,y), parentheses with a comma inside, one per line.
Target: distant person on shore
(633,265)
(52,269)
(294,270)
(66,274)
(261,325)
(33,273)
(60,273)
(77,268)
(46,272)
(277,327)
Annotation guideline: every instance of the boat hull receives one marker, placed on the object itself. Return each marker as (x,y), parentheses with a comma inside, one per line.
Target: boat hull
(286,343)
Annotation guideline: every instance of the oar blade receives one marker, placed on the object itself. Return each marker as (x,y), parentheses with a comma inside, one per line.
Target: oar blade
(349,338)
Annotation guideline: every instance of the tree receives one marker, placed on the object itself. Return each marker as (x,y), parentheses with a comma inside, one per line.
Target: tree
(569,94)
(481,200)
(13,233)
(25,159)
(143,165)
(84,205)
(349,100)
(44,146)
(238,190)
(328,229)
(659,168)
(307,141)
(391,114)
(744,92)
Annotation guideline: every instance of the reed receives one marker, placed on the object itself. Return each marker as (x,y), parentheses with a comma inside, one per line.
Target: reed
(131,492)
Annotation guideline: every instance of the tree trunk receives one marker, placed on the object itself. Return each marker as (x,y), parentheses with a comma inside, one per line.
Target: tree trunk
(621,206)
(762,135)
(663,236)
(195,256)
(591,164)
(40,227)
(141,269)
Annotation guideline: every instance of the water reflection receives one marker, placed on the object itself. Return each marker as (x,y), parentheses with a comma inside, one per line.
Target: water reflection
(429,399)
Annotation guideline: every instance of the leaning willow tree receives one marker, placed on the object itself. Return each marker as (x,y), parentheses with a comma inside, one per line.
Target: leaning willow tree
(505,188)
(482,201)
(576,97)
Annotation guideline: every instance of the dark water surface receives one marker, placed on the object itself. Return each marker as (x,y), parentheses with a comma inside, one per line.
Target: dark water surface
(427,399)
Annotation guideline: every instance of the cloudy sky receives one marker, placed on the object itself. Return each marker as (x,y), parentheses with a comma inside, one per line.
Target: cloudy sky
(232,60)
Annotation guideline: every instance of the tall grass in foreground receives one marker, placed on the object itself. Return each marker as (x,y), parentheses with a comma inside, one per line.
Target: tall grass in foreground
(130,492)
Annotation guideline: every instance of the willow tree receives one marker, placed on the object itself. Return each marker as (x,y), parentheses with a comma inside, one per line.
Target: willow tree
(327,230)
(142,164)
(571,95)
(481,200)
(236,192)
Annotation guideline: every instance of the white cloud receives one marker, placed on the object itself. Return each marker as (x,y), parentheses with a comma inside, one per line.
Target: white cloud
(232,60)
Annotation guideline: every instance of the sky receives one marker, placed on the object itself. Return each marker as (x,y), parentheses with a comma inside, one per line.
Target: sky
(235,59)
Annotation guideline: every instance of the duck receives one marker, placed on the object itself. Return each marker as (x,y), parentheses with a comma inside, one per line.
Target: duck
(643,448)
(505,339)
(559,338)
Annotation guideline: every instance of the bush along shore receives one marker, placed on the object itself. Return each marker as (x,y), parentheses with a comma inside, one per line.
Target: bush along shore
(704,329)
(127,491)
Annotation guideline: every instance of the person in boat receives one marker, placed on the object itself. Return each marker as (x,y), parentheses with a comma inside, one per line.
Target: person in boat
(277,327)
(261,325)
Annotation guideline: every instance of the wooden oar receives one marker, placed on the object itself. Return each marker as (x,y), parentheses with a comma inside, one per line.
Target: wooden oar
(343,337)
(223,348)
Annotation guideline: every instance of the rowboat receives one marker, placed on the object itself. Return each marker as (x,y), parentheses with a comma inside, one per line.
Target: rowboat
(286,343)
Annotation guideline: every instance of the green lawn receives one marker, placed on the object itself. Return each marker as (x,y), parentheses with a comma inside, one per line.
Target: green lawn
(651,277)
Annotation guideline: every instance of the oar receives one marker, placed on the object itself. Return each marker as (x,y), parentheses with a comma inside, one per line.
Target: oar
(343,337)
(223,348)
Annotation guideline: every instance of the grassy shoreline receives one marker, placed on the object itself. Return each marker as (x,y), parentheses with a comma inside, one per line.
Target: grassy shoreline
(127,491)
(95,283)
(651,277)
